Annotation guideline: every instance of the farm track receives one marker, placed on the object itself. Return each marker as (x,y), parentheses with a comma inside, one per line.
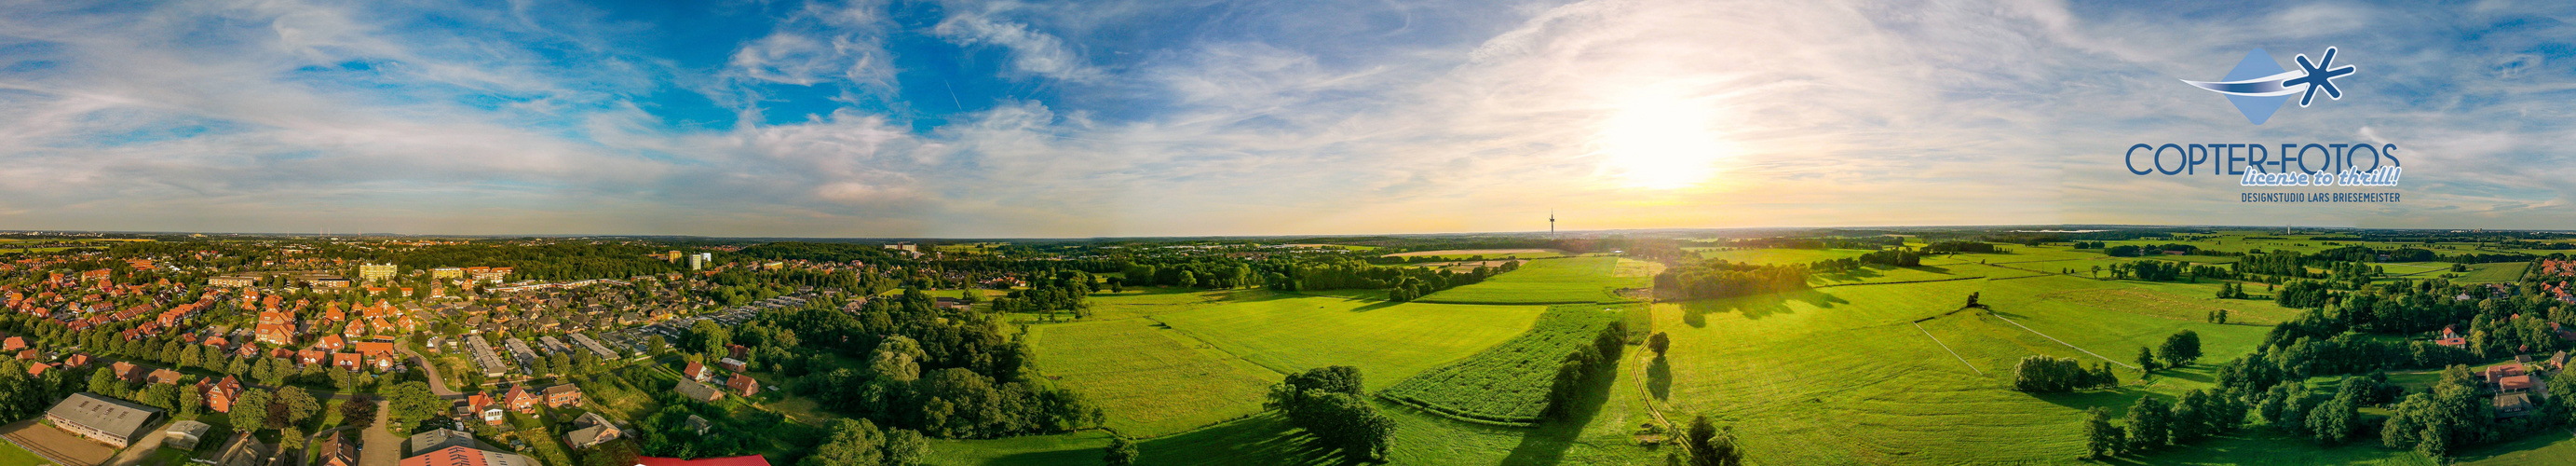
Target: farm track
(1896,283)
(1999,315)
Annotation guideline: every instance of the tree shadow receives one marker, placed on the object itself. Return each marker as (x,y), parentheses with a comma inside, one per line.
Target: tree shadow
(1659,378)
(1545,444)
(1930,268)
(1694,313)
(2117,400)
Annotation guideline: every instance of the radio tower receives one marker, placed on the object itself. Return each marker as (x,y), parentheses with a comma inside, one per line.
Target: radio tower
(1551,224)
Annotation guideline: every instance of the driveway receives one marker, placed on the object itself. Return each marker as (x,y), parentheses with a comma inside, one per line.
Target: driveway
(381,448)
(142,448)
(437,383)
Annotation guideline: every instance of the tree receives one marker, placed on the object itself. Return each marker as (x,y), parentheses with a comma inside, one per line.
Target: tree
(1710,446)
(291,437)
(1659,343)
(906,448)
(2334,421)
(2181,349)
(853,442)
(2148,426)
(299,405)
(250,410)
(1120,452)
(2100,437)
(412,402)
(2146,360)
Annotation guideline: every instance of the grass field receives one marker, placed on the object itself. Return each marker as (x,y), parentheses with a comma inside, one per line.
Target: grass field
(1509,383)
(1151,380)
(1552,281)
(2495,272)
(11,455)
(1870,370)
(1387,341)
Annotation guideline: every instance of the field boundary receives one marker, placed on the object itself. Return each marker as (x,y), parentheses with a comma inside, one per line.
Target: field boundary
(2061,342)
(1963,360)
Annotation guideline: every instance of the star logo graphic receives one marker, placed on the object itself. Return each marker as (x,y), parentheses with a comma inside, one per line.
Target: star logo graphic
(2258,86)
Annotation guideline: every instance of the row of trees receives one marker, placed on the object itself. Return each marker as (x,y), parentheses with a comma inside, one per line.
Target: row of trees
(2045,374)
(1583,365)
(1722,279)
(2153,423)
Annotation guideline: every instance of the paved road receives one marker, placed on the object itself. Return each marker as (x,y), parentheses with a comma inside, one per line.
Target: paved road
(437,383)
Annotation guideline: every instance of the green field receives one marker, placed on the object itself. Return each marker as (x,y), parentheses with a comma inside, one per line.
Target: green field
(11,455)
(1387,341)
(1511,382)
(1152,381)
(1551,281)
(1873,368)
(1466,254)
(2496,272)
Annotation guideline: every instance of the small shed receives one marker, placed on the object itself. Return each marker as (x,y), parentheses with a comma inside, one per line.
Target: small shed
(184,435)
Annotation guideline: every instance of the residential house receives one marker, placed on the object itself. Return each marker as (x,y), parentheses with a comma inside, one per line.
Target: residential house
(335,451)
(440,439)
(743,385)
(163,376)
(591,430)
(521,400)
(698,391)
(731,364)
(219,394)
(697,372)
(562,395)
(462,456)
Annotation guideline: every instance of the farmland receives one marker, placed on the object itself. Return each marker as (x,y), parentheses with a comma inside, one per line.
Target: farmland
(2495,272)
(1460,254)
(1878,366)
(1130,365)
(1509,383)
(1387,341)
(1550,281)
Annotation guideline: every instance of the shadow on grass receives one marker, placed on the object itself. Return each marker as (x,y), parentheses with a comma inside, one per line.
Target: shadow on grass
(1695,313)
(1546,443)
(1659,378)
(1261,439)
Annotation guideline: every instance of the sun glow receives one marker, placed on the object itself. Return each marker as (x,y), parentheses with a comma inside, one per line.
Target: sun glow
(1659,142)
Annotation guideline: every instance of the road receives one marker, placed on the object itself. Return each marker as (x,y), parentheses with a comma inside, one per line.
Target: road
(142,448)
(437,383)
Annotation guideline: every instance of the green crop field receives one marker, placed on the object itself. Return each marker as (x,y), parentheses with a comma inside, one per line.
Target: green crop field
(1151,381)
(1511,382)
(2495,272)
(1551,281)
(1387,341)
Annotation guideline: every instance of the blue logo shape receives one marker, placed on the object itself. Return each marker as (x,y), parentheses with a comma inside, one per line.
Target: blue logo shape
(2258,86)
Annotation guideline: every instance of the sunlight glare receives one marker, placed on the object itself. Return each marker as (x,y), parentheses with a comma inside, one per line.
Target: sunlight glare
(1659,142)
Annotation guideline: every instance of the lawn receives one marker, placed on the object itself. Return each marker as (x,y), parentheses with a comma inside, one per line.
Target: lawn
(11,455)
(1150,379)
(1552,281)
(1387,341)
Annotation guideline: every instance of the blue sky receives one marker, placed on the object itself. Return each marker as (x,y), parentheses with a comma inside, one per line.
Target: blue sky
(1024,119)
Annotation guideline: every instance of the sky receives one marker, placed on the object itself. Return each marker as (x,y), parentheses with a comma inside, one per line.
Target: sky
(969,118)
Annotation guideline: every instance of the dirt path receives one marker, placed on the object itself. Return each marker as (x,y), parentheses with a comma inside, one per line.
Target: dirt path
(437,383)
(1646,394)
(381,448)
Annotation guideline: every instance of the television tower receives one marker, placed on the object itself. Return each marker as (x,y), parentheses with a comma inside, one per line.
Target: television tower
(1551,224)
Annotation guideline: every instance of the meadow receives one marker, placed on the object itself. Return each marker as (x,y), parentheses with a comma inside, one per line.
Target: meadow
(1387,341)
(1511,382)
(1150,379)
(1552,281)
(1479,254)
(1878,367)
(2497,272)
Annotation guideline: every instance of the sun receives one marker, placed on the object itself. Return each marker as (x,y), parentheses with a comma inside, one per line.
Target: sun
(1659,142)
